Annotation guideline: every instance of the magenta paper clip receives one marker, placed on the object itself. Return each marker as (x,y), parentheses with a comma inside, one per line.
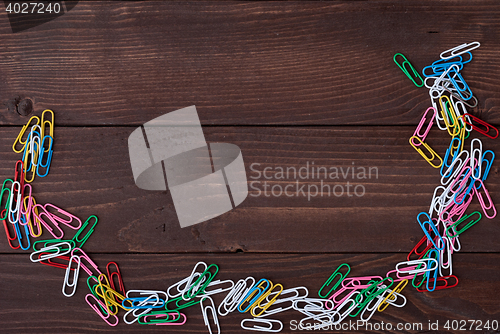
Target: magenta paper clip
(91,263)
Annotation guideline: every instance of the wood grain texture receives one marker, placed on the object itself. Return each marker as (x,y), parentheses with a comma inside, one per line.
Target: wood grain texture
(244,62)
(32,300)
(91,174)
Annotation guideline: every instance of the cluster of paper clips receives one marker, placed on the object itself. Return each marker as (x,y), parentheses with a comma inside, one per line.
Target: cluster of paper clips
(37,147)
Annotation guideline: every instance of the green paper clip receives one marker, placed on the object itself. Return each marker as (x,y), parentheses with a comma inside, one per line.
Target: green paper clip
(403,66)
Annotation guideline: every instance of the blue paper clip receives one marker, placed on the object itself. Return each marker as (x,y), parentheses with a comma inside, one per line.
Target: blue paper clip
(49,157)
(26,234)
(433,227)
(447,155)
(435,274)
(256,288)
(471,179)
(487,168)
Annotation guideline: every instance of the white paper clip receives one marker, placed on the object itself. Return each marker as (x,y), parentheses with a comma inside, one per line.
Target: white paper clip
(257,325)
(460,49)
(235,295)
(49,249)
(210,307)
(76,272)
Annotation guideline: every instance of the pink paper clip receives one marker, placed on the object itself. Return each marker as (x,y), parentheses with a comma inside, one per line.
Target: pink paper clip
(358,280)
(64,213)
(91,263)
(481,199)
(44,212)
(96,310)
(421,124)
(156,316)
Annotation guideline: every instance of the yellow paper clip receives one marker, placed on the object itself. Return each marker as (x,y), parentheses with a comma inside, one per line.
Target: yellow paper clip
(397,289)
(108,294)
(19,138)
(257,303)
(449,110)
(33,217)
(429,149)
(50,124)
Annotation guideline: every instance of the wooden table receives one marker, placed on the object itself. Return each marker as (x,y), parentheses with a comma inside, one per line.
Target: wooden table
(290,83)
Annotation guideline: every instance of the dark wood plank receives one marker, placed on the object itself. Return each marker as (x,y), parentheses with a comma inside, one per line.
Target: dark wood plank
(244,63)
(32,300)
(91,174)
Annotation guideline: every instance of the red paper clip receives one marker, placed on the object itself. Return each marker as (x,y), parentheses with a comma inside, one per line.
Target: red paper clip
(112,281)
(441,287)
(480,121)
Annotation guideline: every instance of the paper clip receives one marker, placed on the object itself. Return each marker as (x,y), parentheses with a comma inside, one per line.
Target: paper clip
(332,277)
(476,172)
(121,288)
(411,267)
(488,126)
(189,283)
(421,124)
(449,250)
(405,63)
(459,50)
(204,310)
(31,216)
(258,325)
(145,302)
(21,134)
(145,306)
(234,297)
(50,262)
(45,223)
(7,232)
(178,285)
(49,122)
(428,221)
(258,290)
(466,227)
(74,282)
(434,272)
(20,237)
(258,302)
(394,292)
(68,221)
(7,201)
(91,263)
(444,279)
(16,199)
(103,317)
(481,200)
(434,155)
(83,240)
(51,251)
(218,290)
(455,167)
(487,168)
(165,322)
(447,112)
(198,287)
(180,303)
(49,152)
(366,295)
